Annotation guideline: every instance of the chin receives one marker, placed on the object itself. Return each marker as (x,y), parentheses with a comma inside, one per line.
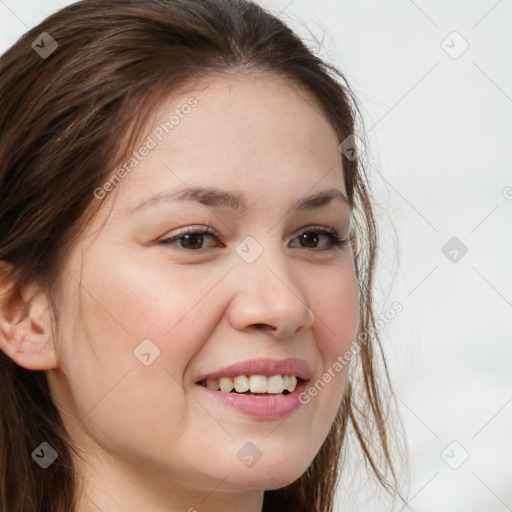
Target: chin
(269,476)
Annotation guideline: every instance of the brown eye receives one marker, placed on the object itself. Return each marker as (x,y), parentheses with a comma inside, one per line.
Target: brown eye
(192,239)
(310,238)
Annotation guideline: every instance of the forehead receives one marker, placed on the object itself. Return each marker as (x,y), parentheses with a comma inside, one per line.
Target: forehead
(238,109)
(261,134)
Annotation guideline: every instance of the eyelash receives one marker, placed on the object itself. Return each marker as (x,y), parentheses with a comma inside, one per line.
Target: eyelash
(335,241)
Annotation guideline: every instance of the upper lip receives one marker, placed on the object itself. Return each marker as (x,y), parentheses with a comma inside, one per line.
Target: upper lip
(262,366)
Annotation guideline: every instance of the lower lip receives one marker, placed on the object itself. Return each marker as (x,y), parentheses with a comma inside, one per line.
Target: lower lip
(266,407)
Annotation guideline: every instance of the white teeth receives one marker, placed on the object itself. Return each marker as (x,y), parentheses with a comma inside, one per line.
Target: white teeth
(241,384)
(226,384)
(274,384)
(258,383)
(212,384)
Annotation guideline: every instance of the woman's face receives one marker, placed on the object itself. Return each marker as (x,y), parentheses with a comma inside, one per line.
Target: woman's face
(155,315)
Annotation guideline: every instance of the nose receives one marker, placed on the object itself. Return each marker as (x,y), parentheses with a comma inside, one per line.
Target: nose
(269,296)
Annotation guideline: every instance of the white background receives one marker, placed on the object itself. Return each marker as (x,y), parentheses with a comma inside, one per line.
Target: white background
(439,131)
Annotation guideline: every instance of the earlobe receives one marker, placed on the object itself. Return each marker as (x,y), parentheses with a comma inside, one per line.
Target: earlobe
(25,325)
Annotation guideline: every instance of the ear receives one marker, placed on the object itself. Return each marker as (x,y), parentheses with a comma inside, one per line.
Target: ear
(25,324)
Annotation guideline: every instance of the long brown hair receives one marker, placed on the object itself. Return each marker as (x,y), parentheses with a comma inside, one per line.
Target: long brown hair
(61,117)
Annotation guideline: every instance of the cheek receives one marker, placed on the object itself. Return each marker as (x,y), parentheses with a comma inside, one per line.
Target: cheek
(107,385)
(139,333)
(336,305)
(131,316)
(136,303)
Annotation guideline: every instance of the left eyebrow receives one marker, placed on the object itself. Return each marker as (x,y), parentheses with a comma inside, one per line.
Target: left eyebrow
(217,198)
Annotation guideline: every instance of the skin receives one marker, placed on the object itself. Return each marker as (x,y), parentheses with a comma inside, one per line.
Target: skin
(149,438)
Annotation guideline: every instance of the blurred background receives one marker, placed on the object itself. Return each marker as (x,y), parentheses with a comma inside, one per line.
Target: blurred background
(435,91)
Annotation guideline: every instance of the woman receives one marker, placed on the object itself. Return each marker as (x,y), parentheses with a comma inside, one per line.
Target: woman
(187,251)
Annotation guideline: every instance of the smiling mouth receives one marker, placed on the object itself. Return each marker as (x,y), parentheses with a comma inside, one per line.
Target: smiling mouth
(254,385)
